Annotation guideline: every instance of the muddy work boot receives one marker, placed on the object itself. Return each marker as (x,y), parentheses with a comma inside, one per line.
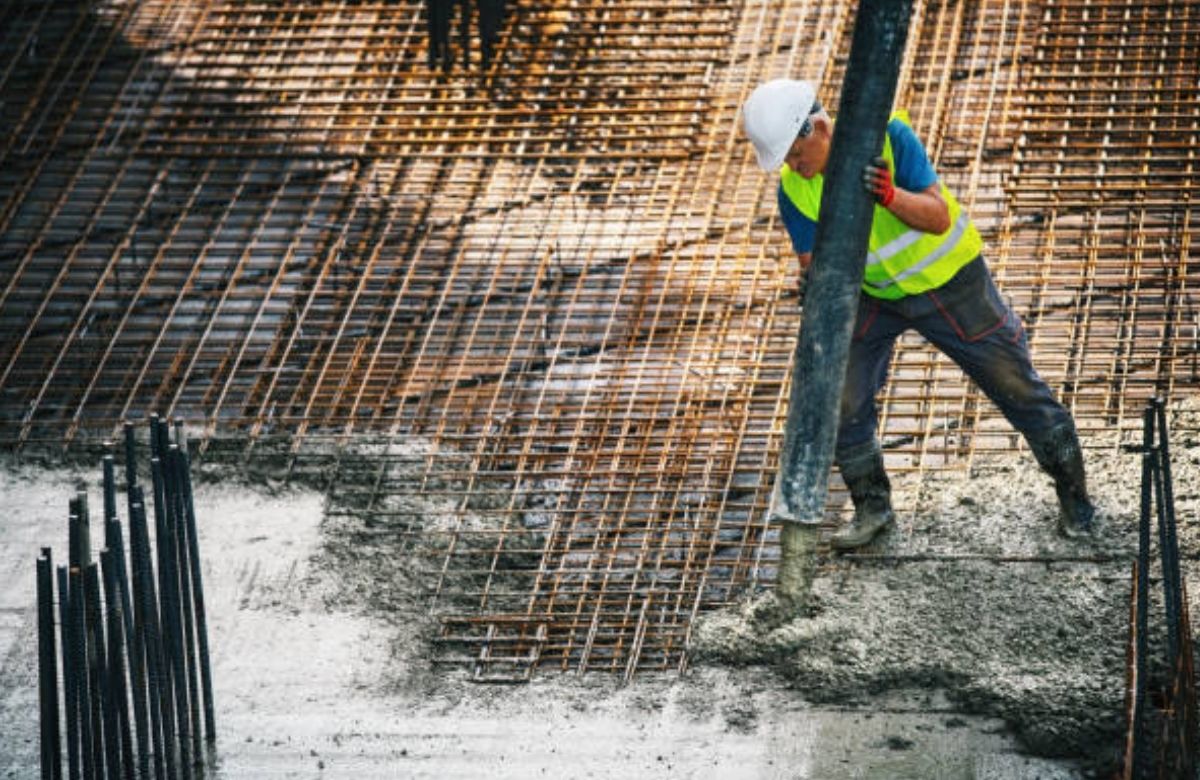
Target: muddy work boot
(1059,454)
(864,475)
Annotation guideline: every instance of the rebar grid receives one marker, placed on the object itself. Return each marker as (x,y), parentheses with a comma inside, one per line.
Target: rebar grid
(558,288)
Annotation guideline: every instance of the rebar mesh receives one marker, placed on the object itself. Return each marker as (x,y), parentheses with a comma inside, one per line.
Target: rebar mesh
(550,299)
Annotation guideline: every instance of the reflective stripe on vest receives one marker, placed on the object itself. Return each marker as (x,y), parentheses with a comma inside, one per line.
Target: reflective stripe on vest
(876,258)
(900,261)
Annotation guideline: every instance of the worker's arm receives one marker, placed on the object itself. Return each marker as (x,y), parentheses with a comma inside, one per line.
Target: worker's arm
(926,210)
(800,228)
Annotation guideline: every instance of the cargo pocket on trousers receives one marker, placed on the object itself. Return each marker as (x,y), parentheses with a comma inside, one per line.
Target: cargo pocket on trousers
(971,304)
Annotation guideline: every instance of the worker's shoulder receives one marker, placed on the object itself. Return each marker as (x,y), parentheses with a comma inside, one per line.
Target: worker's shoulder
(914,171)
(903,138)
(899,129)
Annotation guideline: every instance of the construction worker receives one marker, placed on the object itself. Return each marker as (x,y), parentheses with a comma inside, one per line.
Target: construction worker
(923,271)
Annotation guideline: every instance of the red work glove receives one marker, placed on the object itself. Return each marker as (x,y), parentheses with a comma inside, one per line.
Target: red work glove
(877,180)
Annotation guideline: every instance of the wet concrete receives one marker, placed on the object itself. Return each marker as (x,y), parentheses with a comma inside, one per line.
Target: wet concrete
(905,669)
(1024,628)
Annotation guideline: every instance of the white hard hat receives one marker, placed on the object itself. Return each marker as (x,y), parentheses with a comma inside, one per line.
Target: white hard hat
(773,116)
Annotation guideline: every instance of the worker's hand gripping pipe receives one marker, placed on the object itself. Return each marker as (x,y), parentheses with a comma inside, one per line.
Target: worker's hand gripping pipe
(839,257)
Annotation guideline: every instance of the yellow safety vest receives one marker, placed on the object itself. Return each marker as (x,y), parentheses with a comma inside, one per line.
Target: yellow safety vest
(901,261)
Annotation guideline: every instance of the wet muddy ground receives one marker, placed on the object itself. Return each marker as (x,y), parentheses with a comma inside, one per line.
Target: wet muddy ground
(1006,661)
(976,595)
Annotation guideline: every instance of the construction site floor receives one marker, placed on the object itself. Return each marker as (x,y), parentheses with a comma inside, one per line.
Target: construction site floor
(325,668)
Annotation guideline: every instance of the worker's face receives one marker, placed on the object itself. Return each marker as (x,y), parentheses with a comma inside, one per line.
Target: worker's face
(809,152)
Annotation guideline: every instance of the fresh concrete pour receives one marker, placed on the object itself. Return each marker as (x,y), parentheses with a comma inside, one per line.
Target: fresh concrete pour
(906,668)
(1030,636)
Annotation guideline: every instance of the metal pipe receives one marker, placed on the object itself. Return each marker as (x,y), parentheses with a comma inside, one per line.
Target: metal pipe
(834,281)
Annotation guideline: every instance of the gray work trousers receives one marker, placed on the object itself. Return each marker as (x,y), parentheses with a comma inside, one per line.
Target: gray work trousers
(968,321)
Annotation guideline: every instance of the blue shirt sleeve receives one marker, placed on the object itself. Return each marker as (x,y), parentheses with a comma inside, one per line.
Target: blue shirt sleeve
(914,172)
(801,229)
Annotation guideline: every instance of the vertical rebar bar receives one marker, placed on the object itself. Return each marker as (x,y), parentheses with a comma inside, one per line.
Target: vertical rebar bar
(153,423)
(169,607)
(51,749)
(178,523)
(66,617)
(210,724)
(92,636)
(1168,540)
(150,637)
(1168,582)
(136,675)
(79,670)
(118,700)
(104,735)
(1141,751)
(134,649)
(158,437)
(78,541)
(78,552)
